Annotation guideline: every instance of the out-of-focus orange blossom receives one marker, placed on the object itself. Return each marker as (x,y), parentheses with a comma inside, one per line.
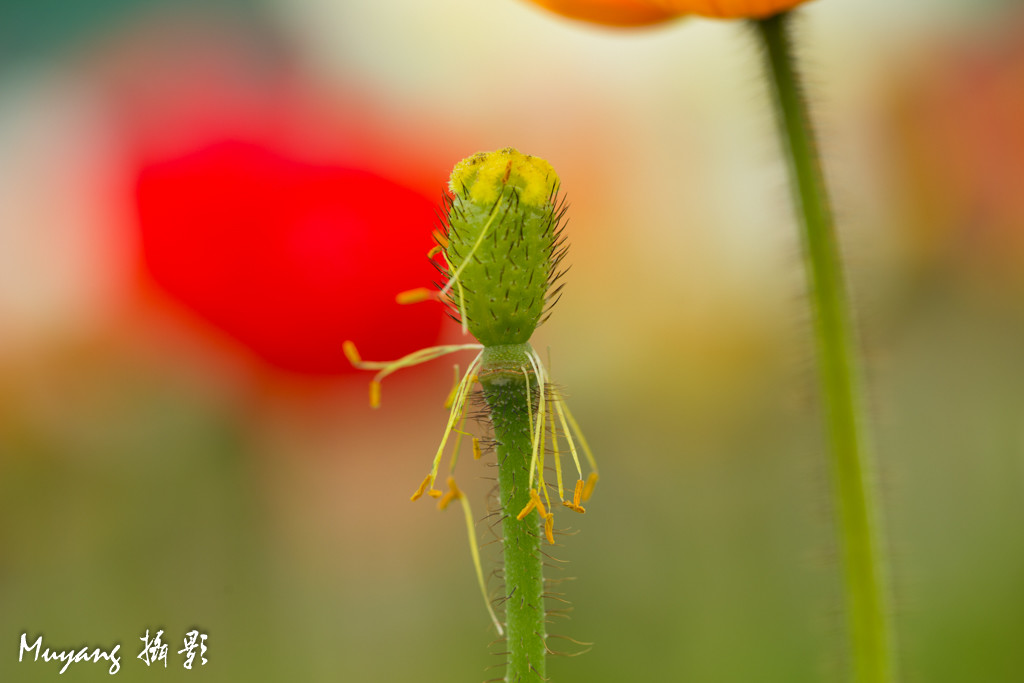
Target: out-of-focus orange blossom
(644,12)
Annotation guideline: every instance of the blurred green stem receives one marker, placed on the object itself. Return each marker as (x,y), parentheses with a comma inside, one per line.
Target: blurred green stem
(863,552)
(509,393)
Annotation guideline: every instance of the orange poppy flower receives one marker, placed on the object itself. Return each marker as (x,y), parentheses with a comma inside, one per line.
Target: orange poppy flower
(643,12)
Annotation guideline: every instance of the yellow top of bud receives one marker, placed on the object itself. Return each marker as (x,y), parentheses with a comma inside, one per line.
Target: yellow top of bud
(485,174)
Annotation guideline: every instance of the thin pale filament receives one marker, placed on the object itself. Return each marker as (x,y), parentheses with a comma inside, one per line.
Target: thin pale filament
(557,455)
(583,440)
(465,387)
(559,408)
(475,552)
(537,429)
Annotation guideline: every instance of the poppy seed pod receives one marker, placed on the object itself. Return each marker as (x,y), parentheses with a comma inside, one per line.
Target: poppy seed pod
(503,244)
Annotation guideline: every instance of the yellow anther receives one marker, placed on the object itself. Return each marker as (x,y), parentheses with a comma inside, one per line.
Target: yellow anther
(374,394)
(577,496)
(549,527)
(535,497)
(575,508)
(453,494)
(349,349)
(435,493)
(440,238)
(422,489)
(414,296)
(435,251)
(589,488)
(527,510)
(476,449)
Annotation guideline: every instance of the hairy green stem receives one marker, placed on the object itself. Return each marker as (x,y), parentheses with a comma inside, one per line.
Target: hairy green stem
(511,393)
(872,650)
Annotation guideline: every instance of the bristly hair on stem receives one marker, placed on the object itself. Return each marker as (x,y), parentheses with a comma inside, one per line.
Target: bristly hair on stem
(860,529)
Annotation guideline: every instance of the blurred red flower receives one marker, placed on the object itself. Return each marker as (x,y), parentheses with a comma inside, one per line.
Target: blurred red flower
(288,257)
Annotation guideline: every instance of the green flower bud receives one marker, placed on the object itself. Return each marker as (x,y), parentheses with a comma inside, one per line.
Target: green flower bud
(503,244)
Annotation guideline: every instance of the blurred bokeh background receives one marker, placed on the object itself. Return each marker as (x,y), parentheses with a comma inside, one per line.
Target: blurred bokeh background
(199,201)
